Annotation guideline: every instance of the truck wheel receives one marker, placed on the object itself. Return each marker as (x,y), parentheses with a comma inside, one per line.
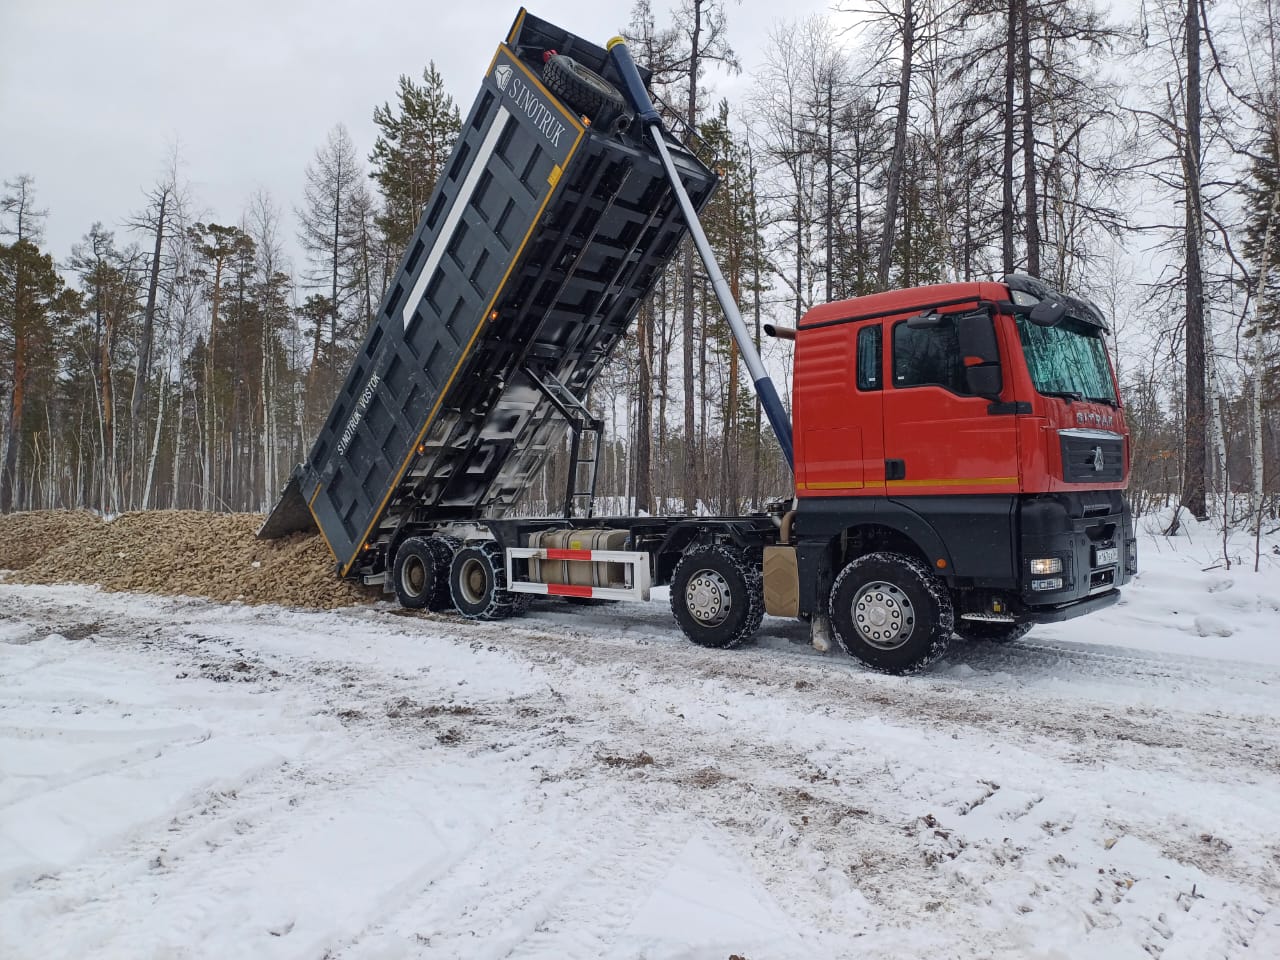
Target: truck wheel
(584,90)
(478,580)
(420,574)
(991,631)
(891,612)
(717,596)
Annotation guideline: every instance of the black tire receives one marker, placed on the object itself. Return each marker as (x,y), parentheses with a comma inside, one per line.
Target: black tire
(985,630)
(891,612)
(717,596)
(477,582)
(582,89)
(420,574)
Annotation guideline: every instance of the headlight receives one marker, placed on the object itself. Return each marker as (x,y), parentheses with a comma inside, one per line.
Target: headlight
(1053,584)
(1046,565)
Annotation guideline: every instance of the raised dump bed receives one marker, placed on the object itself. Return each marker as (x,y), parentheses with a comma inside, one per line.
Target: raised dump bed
(552,222)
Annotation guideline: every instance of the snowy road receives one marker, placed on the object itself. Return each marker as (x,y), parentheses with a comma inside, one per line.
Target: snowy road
(184,779)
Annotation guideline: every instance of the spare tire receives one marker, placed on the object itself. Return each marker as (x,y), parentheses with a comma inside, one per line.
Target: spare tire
(582,89)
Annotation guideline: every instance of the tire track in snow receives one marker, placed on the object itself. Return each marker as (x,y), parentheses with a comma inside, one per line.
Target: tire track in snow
(789,736)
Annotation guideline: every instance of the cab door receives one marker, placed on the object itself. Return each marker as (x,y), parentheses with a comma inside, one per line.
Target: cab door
(939,437)
(839,378)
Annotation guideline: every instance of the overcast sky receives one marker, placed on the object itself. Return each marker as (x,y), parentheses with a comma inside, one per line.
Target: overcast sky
(93,93)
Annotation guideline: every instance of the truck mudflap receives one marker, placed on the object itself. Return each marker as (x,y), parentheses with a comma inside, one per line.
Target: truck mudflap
(1067,611)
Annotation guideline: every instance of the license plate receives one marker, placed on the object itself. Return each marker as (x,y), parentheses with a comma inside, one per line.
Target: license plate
(1106,556)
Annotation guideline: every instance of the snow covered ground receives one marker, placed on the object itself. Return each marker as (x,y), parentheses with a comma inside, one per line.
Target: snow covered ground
(186,779)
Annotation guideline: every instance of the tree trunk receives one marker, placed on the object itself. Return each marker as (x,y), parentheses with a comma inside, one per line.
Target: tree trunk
(155,447)
(1029,143)
(690,438)
(333,312)
(644,411)
(756,258)
(106,384)
(1259,362)
(831,214)
(9,478)
(893,184)
(148,319)
(1196,418)
(179,434)
(1006,195)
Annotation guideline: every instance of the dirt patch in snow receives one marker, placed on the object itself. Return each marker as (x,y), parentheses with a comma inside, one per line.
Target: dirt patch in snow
(189,552)
(641,759)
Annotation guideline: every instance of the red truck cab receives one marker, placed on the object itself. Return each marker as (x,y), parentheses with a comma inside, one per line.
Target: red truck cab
(974,430)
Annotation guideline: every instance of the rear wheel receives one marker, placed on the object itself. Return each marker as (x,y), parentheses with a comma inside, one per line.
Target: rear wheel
(478,581)
(891,612)
(717,596)
(991,631)
(420,574)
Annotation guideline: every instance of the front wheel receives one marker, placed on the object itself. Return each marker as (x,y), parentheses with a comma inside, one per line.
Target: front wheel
(717,595)
(891,612)
(991,630)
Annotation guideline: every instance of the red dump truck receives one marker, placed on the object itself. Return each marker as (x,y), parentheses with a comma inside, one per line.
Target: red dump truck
(960,451)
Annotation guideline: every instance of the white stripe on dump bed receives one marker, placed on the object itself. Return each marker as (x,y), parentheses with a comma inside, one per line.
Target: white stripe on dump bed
(460,201)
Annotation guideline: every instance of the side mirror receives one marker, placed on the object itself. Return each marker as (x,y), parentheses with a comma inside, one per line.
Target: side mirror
(1048,313)
(980,353)
(985,381)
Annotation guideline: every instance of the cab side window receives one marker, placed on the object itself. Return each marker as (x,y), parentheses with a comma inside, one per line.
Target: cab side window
(870,361)
(928,356)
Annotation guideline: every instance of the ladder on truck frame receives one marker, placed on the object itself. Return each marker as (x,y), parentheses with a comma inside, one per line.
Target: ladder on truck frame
(584,451)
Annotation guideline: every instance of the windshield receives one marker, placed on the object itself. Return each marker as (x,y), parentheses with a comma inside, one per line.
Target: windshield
(1069,360)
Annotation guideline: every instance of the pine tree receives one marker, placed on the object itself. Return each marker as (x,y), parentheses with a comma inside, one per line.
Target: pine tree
(335,193)
(1262,228)
(226,256)
(110,280)
(729,226)
(413,145)
(34,307)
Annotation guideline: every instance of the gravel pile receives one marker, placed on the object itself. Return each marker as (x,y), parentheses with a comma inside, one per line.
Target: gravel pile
(189,552)
(26,537)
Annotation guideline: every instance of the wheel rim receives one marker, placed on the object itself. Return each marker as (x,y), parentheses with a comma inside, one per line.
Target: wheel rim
(413,576)
(474,581)
(883,615)
(592,79)
(708,598)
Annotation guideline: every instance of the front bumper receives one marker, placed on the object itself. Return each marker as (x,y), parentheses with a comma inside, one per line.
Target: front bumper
(1091,535)
(1067,611)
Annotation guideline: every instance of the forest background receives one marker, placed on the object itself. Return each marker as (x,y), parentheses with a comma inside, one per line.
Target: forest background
(177,356)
